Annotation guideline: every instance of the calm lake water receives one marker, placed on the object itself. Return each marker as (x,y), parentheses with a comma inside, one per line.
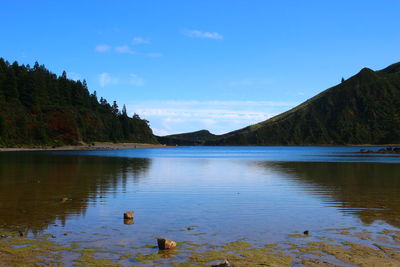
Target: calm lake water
(226,193)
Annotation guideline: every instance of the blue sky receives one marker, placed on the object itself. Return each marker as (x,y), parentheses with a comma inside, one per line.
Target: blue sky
(190,65)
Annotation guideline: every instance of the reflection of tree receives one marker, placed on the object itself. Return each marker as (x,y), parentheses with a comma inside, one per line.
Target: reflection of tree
(32,185)
(369,190)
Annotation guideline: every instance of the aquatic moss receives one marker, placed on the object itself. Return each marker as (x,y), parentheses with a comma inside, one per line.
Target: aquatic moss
(298,236)
(148,257)
(236,245)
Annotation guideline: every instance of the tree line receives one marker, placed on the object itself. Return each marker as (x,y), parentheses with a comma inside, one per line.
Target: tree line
(37,107)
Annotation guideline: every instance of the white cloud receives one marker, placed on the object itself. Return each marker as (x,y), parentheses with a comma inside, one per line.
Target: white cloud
(102,48)
(135,80)
(124,49)
(106,79)
(202,34)
(169,117)
(140,40)
(160,132)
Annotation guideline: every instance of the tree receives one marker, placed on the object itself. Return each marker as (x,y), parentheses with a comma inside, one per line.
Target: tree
(124,113)
(64,75)
(342,79)
(114,108)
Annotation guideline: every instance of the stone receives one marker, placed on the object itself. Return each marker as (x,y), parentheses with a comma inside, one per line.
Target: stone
(306,232)
(65,199)
(129,215)
(225,263)
(190,228)
(165,243)
(128,221)
(22,234)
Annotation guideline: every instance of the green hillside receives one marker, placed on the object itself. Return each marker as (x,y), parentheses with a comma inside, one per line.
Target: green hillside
(188,139)
(38,107)
(364,109)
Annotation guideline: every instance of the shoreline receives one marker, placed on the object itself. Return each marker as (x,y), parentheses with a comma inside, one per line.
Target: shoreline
(120,146)
(96,146)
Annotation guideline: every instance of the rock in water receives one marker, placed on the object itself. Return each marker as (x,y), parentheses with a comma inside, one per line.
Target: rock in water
(165,243)
(128,221)
(129,215)
(225,263)
(306,232)
(65,199)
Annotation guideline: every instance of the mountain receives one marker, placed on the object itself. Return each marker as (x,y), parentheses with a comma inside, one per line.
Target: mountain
(364,109)
(188,139)
(38,107)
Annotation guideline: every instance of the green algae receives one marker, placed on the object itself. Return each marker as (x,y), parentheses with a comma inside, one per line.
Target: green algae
(17,251)
(236,245)
(125,256)
(298,236)
(148,257)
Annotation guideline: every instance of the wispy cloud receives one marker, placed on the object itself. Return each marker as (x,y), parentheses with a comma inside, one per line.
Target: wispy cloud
(203,34)
(140,40)
(106,79)
(135,80)
(168,117)
(102,48)
(124,49)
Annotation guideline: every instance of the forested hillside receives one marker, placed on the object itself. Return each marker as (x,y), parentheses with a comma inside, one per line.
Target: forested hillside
(188,139)
(364,109)
(38,107)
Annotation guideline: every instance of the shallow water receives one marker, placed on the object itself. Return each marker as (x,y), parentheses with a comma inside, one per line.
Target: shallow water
(262,194)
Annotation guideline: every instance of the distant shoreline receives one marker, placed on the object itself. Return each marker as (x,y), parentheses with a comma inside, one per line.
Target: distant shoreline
(120,146)
(96,146)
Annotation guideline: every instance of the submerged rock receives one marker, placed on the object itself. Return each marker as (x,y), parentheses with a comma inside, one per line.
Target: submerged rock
(165,243)
(225,263)
(128,221)
(129,215)
(65,199)
(22,234)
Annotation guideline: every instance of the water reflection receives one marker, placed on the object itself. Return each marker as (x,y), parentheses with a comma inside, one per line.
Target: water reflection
(368,190)
(37,189)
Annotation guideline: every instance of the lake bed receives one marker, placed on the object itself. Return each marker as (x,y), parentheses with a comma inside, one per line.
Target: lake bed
(237,200)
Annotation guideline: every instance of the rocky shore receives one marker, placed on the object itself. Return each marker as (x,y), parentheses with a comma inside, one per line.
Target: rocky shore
(387,150)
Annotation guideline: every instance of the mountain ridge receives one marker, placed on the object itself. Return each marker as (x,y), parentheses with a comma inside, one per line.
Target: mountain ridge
(364,109)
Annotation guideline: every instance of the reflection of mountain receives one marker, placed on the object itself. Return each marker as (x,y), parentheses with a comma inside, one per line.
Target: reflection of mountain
(32,185)
(370,191)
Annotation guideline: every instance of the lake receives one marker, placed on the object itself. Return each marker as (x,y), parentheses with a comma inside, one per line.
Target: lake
(257,194)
